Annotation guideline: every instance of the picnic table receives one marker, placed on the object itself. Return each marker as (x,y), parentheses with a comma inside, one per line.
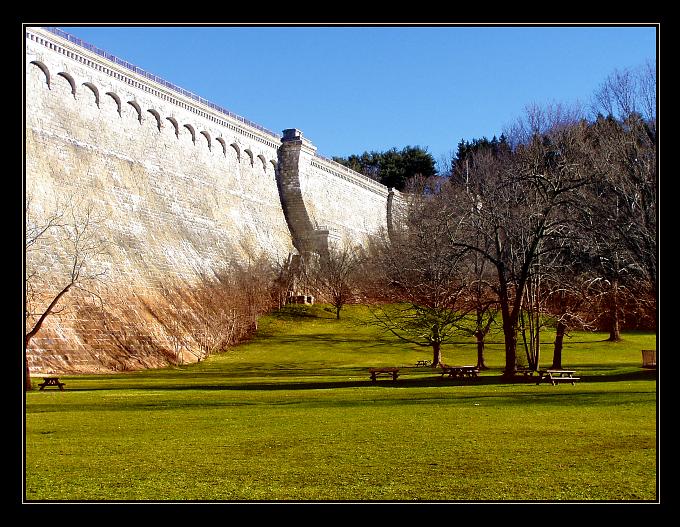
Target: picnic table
(375,372)
(423,363)
(51,381)
(459,371)
(556,376)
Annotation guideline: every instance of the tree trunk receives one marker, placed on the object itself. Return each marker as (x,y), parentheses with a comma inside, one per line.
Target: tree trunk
(480,351)
(337,312)
(436,354)
(537,355)
(29,385)
(614,323)
(614,330)
(559,339)
(509,326)
(37,327)
(510,334)
(42,318)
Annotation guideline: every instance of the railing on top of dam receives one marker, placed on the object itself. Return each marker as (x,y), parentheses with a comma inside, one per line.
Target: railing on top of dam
(155,78)
(358,175)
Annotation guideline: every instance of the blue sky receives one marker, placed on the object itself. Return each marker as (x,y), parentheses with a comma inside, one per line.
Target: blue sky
(356,89)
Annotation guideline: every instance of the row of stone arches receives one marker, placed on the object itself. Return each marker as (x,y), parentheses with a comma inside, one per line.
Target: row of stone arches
(159,122)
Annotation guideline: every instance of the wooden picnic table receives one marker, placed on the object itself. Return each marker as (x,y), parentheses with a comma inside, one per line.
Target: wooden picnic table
(423,363)
(556,376)
(51,381)
(375,372)
(459,371)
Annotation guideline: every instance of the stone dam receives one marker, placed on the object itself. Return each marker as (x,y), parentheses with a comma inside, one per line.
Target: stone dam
(178,185)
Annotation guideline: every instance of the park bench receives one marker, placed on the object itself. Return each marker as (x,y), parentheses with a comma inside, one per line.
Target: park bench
(458,371)
(423,363)
(375,372)
(556,376)
(51,381)
(526,372)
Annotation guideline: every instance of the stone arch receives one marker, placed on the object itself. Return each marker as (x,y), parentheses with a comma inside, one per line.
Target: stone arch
(175,125)
(70,80)
(157,116)
(94,90)
(264,161)
(116,99)
(192,132)
(238,151)
(207,138)
(136,106)
(44,69)
(250,155)
(223,143)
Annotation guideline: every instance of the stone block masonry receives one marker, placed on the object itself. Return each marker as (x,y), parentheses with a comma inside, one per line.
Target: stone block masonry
(182,186)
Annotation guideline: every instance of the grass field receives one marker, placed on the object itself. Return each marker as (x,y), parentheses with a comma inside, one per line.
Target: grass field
(292,415)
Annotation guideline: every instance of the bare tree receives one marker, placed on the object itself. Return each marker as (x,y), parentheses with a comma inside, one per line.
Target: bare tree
(647,93)
(623,212)
(334,274)
(255,284)
(539,120)
(531,321)
(515,204)
(569,302)
(284,272)
(72,235)
(627,92)
(481,304)
(559,291)
(214,311)
(480,300)
(421,276)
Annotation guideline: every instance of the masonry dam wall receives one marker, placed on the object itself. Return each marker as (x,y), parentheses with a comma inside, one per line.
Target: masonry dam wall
(178,185)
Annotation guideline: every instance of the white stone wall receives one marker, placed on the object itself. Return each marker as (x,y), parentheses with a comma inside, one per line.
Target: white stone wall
(350,205)
(180,191)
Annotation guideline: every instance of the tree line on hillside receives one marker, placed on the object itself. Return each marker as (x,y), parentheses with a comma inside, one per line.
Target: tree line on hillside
(555,223)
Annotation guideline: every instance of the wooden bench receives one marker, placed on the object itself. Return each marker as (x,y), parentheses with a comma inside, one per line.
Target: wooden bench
(459,371)
(394,372)
(51,381)
(423,363)
(556,376)
(526,372)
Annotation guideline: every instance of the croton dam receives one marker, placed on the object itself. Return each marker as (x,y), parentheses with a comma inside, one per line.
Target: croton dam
(178,185)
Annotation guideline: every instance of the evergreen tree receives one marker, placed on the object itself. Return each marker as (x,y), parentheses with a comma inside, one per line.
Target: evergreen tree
(393,168)
(466,151)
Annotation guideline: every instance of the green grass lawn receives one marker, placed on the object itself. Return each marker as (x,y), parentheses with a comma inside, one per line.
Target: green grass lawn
(292,415)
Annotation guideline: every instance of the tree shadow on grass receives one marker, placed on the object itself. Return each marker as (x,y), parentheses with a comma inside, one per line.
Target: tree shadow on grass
(387,395)
(356,378)
(328,340)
